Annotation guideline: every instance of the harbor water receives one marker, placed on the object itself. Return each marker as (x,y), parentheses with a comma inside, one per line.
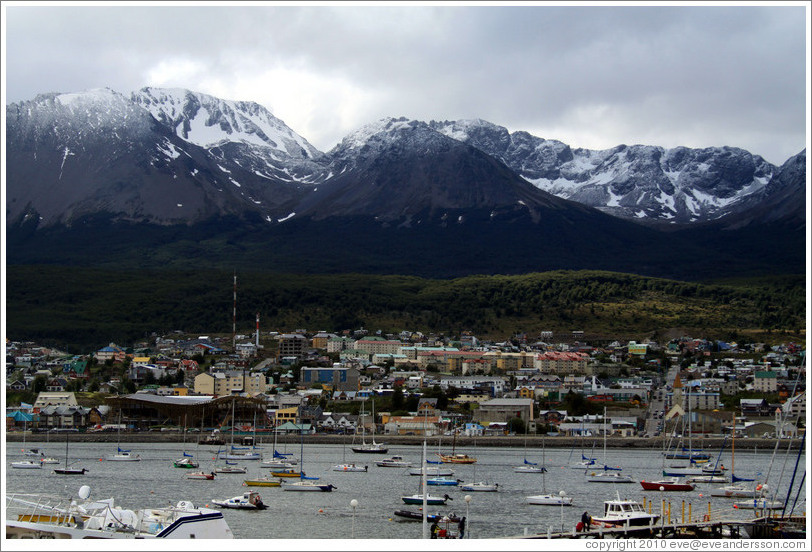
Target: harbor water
(154,481)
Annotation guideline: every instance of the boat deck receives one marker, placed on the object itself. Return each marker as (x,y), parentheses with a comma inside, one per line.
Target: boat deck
(760,527)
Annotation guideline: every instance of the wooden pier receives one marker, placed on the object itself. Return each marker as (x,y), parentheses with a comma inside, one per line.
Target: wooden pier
(760,527)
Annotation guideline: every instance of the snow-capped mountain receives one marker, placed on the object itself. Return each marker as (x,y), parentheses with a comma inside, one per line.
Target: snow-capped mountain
(178,175)
(399,169)
(165,158)
(244,133)
(646,183)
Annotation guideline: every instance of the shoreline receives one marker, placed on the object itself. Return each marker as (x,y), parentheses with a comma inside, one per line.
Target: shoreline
(512,441)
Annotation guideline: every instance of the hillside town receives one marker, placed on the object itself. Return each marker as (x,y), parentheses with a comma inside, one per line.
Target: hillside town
(321,382)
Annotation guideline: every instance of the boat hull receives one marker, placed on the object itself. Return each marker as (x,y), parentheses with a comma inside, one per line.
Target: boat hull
(304,486)
(550,500)
(430,500)
(666,486)
(481,487)
(70,471)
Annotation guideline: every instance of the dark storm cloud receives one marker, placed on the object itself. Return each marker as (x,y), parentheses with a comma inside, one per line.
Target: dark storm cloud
(591,76)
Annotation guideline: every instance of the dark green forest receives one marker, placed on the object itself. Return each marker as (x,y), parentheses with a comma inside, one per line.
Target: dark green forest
(81,309)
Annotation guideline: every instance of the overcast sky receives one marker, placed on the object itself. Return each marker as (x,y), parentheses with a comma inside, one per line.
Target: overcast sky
(590,76)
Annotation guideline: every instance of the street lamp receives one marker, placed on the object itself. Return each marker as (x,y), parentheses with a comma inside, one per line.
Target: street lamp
(467,521)
(354,504)
(562,494)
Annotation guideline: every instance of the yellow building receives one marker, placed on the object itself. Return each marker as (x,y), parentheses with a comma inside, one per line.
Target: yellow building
(221,384)
(284,415)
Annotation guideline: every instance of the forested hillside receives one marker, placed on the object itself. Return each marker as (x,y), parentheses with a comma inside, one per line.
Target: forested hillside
(82,309)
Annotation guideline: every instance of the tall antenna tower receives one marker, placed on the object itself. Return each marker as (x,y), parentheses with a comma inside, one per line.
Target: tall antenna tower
(257,330)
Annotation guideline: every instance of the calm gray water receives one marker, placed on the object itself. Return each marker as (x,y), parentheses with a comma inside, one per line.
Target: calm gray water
(155,482)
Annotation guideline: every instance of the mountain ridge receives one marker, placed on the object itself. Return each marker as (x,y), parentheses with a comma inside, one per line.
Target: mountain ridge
(176,174)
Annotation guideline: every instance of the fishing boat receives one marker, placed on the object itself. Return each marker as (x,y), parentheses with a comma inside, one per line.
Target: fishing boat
(618,513)
(67,470)
(394,461)
(200,475)
(250,500)
(443,481)
(263,482)
(671,484)
(429,499)
(103,519)
(376,448)
(26,465)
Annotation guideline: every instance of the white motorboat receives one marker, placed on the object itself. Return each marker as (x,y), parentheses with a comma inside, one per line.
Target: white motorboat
(617,513)
(350,468)
(608,477)
(481,486)
(309,486)
(48,460)
(103,519)
(26,465)
(394,461)
(124,456)
(250,500)
(550,500)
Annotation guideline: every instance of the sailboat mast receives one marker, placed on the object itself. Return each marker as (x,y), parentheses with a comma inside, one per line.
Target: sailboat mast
(425,495)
